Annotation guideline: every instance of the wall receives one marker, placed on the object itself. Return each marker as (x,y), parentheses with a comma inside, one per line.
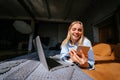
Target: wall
(98,13)
(9,36)
(118,23)
(55,31)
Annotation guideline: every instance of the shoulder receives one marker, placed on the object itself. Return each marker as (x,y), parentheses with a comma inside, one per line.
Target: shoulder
(64,45)
(86,41)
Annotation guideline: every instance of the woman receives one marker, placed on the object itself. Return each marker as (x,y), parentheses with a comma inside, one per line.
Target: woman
(75,37)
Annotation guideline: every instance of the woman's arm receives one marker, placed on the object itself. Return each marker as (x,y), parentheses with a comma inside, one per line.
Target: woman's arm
(64,53)
(91,60)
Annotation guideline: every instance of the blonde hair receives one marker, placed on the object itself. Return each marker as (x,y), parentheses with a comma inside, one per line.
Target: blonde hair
(80,41)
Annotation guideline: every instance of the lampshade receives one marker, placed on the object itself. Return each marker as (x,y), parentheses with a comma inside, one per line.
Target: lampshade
(22,27)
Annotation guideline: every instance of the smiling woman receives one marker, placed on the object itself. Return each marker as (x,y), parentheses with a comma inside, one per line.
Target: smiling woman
(75,38)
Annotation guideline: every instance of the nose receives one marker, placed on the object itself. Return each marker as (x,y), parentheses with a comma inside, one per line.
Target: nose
(76,31)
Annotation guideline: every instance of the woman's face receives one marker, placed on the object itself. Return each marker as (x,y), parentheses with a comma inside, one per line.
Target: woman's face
(76,31)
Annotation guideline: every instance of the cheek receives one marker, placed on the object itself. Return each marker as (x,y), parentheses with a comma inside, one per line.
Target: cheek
(71,32)
(80,33)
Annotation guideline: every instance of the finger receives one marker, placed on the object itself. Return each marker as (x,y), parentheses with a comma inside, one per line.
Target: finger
(71,54)
(82,54)
(74,51)
(78,58)
(81,51)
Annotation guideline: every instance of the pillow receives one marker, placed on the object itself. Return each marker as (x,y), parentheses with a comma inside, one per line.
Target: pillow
(102,49)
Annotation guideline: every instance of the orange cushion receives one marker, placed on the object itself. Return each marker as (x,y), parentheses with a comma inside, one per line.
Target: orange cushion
(102,49)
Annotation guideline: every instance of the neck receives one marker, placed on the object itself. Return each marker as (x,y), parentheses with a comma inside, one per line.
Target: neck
(73,42)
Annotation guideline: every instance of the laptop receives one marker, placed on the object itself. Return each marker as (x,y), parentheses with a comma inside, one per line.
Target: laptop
(49,63)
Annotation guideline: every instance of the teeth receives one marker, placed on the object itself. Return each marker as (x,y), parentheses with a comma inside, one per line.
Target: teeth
(76,35)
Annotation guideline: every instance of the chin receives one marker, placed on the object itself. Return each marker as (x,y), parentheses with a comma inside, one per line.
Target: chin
(76,38)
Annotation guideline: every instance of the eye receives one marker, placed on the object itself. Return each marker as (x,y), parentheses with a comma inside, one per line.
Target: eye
(73,29)
(80,30)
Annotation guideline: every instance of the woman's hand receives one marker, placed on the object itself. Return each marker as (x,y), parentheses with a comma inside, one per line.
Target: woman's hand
(79,58)
(73,55)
